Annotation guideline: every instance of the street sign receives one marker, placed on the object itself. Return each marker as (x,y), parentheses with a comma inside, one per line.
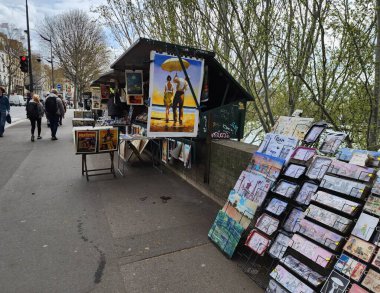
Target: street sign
(59,87)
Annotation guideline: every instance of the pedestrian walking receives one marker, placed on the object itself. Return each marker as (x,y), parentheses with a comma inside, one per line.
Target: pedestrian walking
(64,107)
(4,108)
(54,109)
(35,112)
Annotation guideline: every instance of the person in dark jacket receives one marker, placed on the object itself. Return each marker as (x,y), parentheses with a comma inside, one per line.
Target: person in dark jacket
(54,109)
(4,108)
(35,112)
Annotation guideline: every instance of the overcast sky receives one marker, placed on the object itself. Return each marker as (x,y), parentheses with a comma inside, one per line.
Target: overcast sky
(13,12)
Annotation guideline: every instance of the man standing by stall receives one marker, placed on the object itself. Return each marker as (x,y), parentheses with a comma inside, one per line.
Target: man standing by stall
(179,97)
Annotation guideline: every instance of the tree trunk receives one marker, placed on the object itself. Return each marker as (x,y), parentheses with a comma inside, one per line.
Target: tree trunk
(374,124)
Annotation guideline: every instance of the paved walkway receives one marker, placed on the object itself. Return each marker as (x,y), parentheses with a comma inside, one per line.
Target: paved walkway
(60,233)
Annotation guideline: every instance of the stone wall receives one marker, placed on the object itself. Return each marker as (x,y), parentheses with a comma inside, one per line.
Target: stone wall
(228,158)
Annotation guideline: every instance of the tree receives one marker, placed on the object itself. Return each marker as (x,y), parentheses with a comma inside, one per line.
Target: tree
(79,45)
(12,49)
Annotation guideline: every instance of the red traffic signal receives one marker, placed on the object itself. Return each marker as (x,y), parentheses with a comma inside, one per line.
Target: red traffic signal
(24,66)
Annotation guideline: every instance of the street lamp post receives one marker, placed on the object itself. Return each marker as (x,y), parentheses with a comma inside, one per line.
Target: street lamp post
(29,50)
(51,58)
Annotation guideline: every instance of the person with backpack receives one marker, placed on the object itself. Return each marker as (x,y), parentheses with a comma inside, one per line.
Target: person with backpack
(35,112)
(4,108)
(54,109)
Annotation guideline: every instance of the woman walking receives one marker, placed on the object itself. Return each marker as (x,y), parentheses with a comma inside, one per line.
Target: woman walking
(4,108)
(35,112)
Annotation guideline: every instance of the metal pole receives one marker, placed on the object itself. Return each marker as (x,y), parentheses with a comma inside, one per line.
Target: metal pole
(29,50)
(51,59)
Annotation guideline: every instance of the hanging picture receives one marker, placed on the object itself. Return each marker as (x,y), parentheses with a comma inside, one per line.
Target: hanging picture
(258,242)
(135,100)
(226,233)
(365,226)
(279,246)
(303,270)
(267,224)
(322,235)
(359,248)
(350,267)
(279,146)
(335,283)
(318,167)
(86,141)
(104,92)
(108,139)
(134,82)
(173,111)
(372,281)
(245,206)
(306,192)
(164,156)
(266,164)
(332,142)
(289,281)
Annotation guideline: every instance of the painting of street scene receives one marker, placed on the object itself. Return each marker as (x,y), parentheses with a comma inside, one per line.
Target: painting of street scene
(173,111)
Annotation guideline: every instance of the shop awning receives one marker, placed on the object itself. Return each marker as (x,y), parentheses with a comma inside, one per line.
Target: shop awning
(223,88)
(106,77)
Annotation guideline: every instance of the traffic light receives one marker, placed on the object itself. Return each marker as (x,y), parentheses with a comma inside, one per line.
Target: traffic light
(24,63)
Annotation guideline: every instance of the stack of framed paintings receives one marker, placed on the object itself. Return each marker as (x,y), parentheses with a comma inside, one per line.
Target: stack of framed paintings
(96,140)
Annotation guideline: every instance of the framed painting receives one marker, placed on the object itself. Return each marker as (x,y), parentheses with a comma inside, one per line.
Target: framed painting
(108,140)
(86,141)
(134,83)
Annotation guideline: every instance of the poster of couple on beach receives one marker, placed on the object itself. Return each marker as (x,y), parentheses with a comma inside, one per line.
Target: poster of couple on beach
(173,111)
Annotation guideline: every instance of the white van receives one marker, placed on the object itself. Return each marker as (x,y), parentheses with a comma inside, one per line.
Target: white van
(16,100)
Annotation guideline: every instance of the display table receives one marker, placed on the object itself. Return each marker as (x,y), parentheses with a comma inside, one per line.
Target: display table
(137,144)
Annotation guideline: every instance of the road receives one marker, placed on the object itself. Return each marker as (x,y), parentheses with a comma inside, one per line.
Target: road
(17,114)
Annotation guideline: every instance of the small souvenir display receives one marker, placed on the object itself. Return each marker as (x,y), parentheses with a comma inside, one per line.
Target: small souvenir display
(355,288)
(348,187)
(267,165)
(226,233)
(289,281)
(315,132)
(372,205)
(267,224)
(328,218)
(108,139)
(86,141)
(293,126)
(336,202)
(303,154)
(350,267)
(359,248)
(332,142)
(306,192)
(279,146)
(293,220)
(279,246)
(303,270)
(275,287)
(376,260)
(351,171)
(258,242)
(285,188)
(295,171)
(318,167)
(365,226)
(372,281)
(242,204)
(253,186)
(335,283)
(233,213)
(312,251)
(276,206)
(320,234)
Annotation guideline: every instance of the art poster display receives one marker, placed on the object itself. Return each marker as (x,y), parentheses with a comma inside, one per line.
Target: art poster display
(350,267)
(279,246)
(105,91)
(234,214)
(134,83)
(332,142)
(108,139)
(279,146)
(289,281)
(86,141)
(293,126)
(365,226)
(285,188)
(335,283)
(253,186)
(359,248)
(351,171)
(303,154)
(336,202)
(372,281)
(244,205)
(315,132)
(348,187)
(295,171)
(96,97)
(306,192)
(328,218)
(267,224)
(372,205)
(173,111)
(226,233)
(266,164)
(292,222)
(258,242)
(276,206)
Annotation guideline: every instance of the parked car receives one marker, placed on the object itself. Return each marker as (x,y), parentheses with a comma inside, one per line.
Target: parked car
(16,100)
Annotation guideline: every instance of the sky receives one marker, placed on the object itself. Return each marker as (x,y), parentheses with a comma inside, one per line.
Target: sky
(13,12)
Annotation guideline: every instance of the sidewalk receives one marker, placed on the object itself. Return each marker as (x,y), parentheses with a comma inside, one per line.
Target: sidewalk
(60,233)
